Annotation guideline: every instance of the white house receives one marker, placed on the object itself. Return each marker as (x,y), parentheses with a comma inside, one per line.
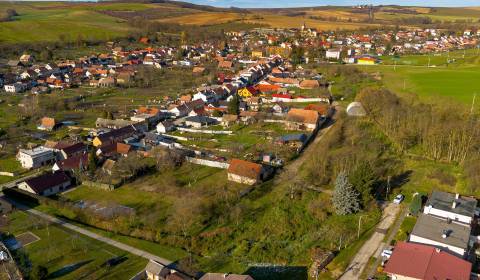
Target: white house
(333,54)
(165,126)
(451,206)
(442,233)
(15,88)
(36,157)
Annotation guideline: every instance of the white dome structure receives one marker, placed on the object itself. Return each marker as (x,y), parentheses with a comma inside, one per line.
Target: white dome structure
(356,109)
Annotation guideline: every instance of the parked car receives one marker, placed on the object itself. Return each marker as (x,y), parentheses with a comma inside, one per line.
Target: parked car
(398,199)
(386,254)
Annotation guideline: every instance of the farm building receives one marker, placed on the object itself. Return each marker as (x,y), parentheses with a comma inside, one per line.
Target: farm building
(46,184)
(245,172)
(299,119)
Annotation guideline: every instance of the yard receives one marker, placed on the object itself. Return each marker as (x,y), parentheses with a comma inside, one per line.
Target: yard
(68,255)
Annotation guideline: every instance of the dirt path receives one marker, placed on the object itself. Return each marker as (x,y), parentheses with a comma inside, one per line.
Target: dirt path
(360,261)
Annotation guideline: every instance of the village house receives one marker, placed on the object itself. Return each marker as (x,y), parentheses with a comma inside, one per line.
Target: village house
(299,119)
(249,173)
(65,150)
(157,271)
(228,120)
(76,162)
(442,233)
(114,150)
(116,135)
(46,184)
(47,124)
(292,140)
(332,54)
(451,206)
(199,121)
(416,261)
(165,126)
(113,124)
(17,87)
(323,109)
(36,157)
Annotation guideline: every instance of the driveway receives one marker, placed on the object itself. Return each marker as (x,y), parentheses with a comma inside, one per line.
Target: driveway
(360,261)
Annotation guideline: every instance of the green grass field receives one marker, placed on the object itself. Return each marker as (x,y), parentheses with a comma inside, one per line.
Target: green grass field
(40,23)
(58,248)
(439,82)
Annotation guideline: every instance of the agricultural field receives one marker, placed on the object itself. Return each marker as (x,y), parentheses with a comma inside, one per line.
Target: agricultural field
(48,23)
(410,75)
(68,255)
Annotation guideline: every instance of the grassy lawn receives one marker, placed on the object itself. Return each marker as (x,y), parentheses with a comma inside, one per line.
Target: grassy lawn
(58,248)
(10,164)
(405,228)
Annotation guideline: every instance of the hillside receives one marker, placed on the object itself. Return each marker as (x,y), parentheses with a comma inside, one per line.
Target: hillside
(53,21)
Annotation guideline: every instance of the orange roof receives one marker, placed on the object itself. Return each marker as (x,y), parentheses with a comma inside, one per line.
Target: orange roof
(123,148)
(267,88)
(309,84)
(149,111)
(48,122)
(245,168)
(186,98)
(302,116)
(283,80)
(225,64)
(322,109)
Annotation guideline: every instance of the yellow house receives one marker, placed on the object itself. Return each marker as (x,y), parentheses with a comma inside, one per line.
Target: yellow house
(257,54)
(366,61)
(245,93)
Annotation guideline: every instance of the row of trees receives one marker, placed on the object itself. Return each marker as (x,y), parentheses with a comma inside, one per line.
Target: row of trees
(441,133)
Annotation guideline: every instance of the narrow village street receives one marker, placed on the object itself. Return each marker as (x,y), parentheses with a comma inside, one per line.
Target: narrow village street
(360,261)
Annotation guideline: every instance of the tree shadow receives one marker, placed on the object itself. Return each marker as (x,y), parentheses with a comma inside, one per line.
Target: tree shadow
(277,272)
(395,182)
(114,261)
(67,269)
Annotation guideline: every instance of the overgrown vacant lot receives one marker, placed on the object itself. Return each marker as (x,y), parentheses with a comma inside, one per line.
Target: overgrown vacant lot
(59,248)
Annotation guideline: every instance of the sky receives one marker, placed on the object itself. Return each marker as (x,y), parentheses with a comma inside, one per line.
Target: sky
(309,3)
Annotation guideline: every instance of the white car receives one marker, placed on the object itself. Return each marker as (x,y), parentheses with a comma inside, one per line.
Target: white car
(398,199)
(386,254)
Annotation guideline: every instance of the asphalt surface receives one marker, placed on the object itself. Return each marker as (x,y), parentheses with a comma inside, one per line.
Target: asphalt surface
(360,261)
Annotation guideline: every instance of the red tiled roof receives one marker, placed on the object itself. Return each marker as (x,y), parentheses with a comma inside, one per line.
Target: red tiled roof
(245,168)
(302,116)
(322,109)
(426,262)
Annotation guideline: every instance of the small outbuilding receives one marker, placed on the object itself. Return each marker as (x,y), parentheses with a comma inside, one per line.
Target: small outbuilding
(356,109)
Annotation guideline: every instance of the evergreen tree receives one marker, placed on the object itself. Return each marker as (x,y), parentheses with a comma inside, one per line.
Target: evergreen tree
(345,198)
(234,105)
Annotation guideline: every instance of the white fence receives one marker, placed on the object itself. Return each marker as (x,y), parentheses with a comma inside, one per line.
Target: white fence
(206,162)
(204,131)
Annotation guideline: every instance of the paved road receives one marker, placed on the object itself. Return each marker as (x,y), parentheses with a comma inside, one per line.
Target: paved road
(93,235)
(398,223)
(360,261)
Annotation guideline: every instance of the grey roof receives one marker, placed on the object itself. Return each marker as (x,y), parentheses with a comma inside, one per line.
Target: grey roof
(432,228)
(443,201)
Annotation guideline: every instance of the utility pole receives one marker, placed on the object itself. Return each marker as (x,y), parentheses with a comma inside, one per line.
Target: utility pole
(388,187)
(473,103)
(359,226)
